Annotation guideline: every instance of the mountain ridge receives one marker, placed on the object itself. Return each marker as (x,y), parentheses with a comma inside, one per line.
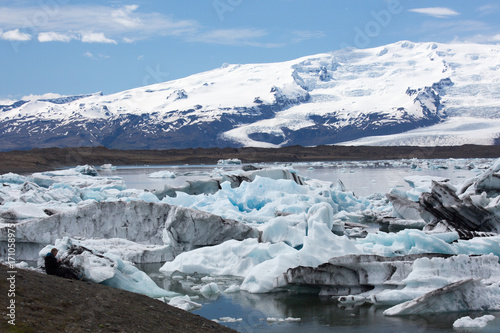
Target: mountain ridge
(399,94)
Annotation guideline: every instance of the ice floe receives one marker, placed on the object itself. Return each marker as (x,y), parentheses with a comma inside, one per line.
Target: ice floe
(468,322)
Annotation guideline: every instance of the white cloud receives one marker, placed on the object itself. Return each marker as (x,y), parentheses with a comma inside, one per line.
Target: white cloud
(487,9)
(96,37)
(457,27)
(123,16)
(90,55)
(439,12)
(301,35)
(53,36)
(93,23)
(245,36)
(44,96)
(15,35)
(128,40)
(123,23)
(7,101)
(479,38)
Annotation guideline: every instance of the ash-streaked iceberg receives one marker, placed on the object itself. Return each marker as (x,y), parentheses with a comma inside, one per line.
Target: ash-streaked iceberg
(105,268)
(78,202)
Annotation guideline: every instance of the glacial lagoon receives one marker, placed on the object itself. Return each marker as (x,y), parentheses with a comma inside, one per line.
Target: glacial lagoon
(128,214)
(305,310)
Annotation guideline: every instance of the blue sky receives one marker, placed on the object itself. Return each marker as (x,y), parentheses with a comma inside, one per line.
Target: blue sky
(76,47)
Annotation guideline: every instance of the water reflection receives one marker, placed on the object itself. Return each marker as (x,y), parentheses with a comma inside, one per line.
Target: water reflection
(250,312)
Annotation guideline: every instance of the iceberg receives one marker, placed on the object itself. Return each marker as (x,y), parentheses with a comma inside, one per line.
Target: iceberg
(468,322)
(162,174)
(105,268)
(230,161)
(444,210)
(464,295)
(184,302)
(172,229)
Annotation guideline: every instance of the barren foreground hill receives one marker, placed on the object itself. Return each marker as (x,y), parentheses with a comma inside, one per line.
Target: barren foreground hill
(45,303)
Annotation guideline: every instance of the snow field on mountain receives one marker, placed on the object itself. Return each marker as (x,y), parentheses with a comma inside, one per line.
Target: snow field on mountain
(345,90)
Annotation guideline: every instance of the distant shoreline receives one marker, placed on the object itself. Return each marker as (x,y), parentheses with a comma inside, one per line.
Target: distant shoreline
(44,159)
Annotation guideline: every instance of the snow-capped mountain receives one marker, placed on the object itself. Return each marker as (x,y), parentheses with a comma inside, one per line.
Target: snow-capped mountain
(399,94)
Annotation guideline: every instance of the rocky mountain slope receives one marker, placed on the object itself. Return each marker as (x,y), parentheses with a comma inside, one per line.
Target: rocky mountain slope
(399,94)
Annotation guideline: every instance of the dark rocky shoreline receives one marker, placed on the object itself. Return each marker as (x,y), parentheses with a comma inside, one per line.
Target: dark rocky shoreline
(52,158)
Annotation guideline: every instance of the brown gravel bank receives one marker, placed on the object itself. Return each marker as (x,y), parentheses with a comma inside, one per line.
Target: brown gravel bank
(52,158)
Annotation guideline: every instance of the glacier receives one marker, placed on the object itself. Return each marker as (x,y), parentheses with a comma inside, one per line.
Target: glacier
(405,93)
(271,229)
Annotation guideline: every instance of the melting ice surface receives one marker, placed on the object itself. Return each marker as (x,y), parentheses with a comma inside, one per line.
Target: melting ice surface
(274,248)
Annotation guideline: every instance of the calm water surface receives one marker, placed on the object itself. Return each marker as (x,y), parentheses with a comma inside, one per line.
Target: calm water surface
(362,178)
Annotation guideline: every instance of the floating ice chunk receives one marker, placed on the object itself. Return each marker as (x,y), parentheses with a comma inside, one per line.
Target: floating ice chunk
(479,245)
(148,197)
(404,208)
(147,222)
(488,181)
(274,320)
(86,170)
(184,302)
(289,229)
(22,211)
(468,322)
(407,241)
(227,320)
(430,274)
(210,290)
(321,213)
(260,279)
(352,274)
(207,279)
(231,161)
(352,299)
(79,177)
(22,264)
(162,174)
(107,167)
(233,258)
(267,276)
(464,295)
(106,268)
(259,200)
(12,178)
(291,319)
(443,209)
(442,271)
(423,181)
(232,289)
(130,251)
(282,320)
